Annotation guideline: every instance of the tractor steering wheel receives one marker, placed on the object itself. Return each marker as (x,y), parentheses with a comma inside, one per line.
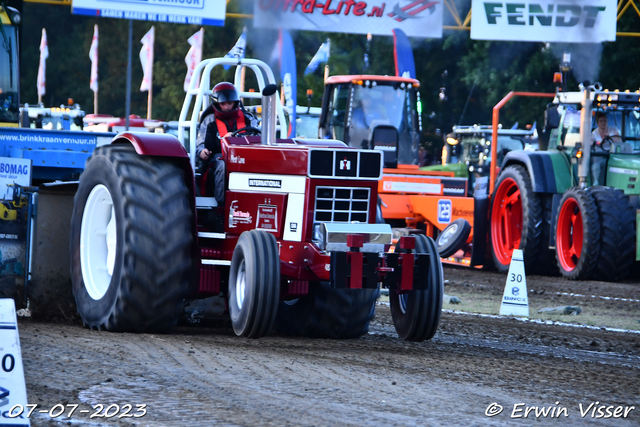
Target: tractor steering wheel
(247,130)
(607,143)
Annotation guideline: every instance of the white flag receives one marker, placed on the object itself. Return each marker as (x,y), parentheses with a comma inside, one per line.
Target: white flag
(322,55)
(146,58)
(237,51)
(194,56)
(44,54)
(93,54)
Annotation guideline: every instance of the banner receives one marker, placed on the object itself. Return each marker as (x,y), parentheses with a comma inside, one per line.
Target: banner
(93,54)
(322,55)
(403,55)
(289,80)
(44,54)
(194,56)
(565,21)
(417,18)
(146,58)
(195,12)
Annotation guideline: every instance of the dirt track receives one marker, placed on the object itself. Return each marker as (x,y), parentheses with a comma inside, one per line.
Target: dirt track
(204,375)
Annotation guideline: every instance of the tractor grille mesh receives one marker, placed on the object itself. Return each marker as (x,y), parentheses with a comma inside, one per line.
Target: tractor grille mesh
(339,204)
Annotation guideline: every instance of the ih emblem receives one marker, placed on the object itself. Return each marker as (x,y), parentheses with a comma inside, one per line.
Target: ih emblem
(345,164)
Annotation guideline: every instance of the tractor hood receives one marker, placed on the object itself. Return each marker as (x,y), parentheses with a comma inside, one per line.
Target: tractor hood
(313,158)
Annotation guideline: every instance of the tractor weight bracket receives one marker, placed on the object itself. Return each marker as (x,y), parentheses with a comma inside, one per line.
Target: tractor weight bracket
(409,271)
(354,270)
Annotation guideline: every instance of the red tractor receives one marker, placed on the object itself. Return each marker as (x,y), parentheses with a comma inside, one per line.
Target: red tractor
(300,247)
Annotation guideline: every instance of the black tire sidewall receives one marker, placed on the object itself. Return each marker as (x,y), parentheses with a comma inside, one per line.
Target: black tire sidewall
(423,307)
(244,251)
(99,170)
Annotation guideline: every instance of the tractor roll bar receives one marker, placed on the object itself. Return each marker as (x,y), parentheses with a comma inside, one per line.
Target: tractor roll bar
(494,134)
(201,93)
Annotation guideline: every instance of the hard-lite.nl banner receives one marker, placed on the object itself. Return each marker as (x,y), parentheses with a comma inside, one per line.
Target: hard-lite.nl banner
(417,18)
(567,21)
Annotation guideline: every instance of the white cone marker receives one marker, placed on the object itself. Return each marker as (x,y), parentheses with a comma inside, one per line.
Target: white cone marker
(13,391)
(515,301)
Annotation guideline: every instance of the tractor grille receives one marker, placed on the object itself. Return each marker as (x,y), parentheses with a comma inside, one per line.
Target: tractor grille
(339,204)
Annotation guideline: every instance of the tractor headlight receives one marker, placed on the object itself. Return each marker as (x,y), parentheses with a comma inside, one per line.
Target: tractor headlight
(319,236)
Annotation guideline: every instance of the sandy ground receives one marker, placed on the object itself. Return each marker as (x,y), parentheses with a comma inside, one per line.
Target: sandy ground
(204,375)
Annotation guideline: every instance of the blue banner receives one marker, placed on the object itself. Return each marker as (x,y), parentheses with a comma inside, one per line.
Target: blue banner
(403,54)
(289,80)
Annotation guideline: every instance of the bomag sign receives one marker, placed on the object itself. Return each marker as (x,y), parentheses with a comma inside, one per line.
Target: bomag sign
(573,21)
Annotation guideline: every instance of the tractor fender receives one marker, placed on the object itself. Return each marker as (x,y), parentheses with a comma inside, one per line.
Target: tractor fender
(160,145)
(549,171)
(153,144)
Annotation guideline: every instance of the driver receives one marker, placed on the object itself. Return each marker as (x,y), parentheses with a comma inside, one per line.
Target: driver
(604,130)
(600,134)
(219,120)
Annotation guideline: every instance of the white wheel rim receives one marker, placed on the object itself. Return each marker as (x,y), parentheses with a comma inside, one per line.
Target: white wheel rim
(241,284)
(448,233)
(98,242)
(402,302)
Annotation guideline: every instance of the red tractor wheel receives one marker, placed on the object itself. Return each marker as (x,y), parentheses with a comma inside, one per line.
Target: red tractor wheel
(577,234)
(516,219)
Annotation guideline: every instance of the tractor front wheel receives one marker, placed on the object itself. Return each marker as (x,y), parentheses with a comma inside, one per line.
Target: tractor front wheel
(577,234)
(131,242)
(254,284)
(416,313)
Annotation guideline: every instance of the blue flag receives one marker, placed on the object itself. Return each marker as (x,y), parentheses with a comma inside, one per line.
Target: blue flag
(322,55)
(237,51)
(403,54)
(289,80)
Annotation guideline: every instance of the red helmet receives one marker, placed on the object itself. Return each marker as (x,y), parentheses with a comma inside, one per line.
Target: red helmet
(225,92)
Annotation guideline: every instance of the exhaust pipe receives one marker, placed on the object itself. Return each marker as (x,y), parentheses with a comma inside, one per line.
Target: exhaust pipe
(269,115)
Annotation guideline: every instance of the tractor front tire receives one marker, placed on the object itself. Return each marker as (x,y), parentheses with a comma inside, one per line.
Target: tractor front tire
(416,313)
(515,220)
(131,263)
(577,234)
(254,284)
(328,312)
(617,233)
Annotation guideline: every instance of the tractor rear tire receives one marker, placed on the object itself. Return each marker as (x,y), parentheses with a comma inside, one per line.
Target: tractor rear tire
(515,219)
(577,234)
(453,237)
(254,284)
(617,233)
(328,312)
(131,241)
(416,314)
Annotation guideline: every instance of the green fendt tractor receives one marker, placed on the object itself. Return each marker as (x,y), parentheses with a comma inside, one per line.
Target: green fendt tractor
(577,201)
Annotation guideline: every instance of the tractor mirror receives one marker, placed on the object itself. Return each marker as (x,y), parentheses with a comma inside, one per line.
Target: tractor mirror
(552,118)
